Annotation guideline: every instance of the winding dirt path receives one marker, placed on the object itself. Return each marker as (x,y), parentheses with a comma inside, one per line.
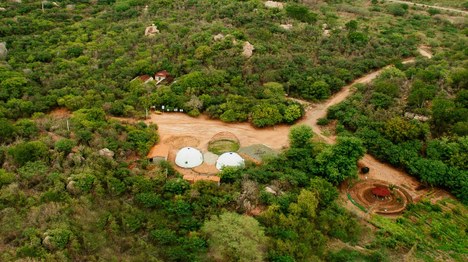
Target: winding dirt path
(203,128)
(430,6)
(178,124)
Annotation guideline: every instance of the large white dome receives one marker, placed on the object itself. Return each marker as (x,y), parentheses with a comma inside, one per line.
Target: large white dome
(189,157)
(229,159)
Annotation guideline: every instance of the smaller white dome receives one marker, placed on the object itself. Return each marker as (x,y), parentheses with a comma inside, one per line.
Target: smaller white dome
(189,157)
(229,159)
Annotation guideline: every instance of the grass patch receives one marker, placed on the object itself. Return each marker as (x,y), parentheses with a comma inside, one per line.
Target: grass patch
(356,203)
(222,146)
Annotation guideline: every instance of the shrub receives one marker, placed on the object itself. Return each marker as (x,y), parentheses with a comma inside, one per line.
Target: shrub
(7,131)
(301,13)
(148,199)
(26,128)
(58,238)
(84,182)
(29,152)
(6,177)
(397,9)
(433,11)
(64,145)
(323,121)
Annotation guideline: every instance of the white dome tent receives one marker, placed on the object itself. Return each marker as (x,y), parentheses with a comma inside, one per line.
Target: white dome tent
(189,157)
(229,159)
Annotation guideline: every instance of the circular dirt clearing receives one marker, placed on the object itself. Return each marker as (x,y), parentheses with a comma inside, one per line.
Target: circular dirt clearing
(178,142)
(380,197)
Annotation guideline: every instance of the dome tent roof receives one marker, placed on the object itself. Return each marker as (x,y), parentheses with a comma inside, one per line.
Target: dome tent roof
(229,159)
(189,157)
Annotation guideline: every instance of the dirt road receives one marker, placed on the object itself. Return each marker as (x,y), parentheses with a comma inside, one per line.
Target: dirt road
(178,124)
(430,6)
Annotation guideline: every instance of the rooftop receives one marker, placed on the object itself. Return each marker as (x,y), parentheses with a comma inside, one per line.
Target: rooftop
(381,191)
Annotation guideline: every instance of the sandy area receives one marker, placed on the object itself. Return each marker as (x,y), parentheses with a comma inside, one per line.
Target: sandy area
(203,128)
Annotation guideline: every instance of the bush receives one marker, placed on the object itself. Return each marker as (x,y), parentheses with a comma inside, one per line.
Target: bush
(323,121)
(301,13)
(194,113)
(397,9)
(7,131)
(6,177)
(58,238)
(84,182)
(433,11)
(64,145)
(29,152)
(26,128)
(148,199)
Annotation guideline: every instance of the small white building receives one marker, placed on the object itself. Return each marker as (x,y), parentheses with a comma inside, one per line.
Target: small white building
(189,157)
(229,159)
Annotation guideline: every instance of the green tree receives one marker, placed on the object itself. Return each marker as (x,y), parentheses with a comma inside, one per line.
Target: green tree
(324,190)
(301,13)
(7,130)
(300,136)
(273,90)
(234,237)
(317,90)
(294,231)
(352,25)
(65,145)
(292,113)
(266,115)
(399,130)
(339,162)
(26,128)
(6,177)
(29,152)
(420,93)
(202,52)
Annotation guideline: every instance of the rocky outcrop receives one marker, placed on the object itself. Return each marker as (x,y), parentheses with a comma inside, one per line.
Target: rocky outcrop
(248,49)
(421,118)
(151,30)
(218,37)
(3,50)
(72,188)
(106,152)
(274,4)
(286,26)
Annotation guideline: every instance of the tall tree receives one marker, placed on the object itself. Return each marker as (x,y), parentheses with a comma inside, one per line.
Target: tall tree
(233,237)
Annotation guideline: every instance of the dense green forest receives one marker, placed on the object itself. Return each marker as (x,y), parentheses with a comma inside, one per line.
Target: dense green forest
(85,56)
(416,117)
(76,186)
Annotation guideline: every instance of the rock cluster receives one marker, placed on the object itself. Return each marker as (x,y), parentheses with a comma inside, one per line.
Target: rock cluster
(3,50)
(151,30)
(273,4)
(248,49)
